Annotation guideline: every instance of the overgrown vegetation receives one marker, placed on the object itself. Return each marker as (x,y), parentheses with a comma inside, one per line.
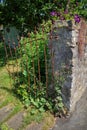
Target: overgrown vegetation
(33,82)
(9,98)
(32,87)
(28,14)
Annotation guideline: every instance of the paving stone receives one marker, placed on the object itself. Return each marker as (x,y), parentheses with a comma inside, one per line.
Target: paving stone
(4,112)
(16,121)
(77,120)
(34,126)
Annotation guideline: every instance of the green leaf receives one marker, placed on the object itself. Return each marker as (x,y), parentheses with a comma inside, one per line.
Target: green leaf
(43,100)
(41,109)
(59,98)
(33,111)
(25,73)
(60,105)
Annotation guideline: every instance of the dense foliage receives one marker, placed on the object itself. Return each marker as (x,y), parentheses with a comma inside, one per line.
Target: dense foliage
(34,66)
(28,13)
(32,88)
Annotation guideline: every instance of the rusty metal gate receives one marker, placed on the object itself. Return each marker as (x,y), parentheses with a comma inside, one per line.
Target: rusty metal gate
(40,70)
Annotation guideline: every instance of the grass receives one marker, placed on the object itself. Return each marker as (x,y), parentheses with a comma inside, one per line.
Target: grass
(7,96)
(6,88)
(29,119)
(46,119)
(6,83)
(2,55)
(5,127)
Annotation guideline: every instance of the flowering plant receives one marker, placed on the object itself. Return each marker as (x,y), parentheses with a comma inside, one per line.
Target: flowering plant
(77,18)
(72,9)
(31,13)
(57,15)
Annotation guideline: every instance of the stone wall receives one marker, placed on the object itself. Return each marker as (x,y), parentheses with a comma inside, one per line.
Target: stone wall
(66,61)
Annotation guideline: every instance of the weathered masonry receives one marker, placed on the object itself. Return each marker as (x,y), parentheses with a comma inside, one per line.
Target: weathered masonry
(66,59)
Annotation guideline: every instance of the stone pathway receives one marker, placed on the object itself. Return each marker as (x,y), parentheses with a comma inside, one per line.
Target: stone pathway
(35,126)
(16,121)
(78,119)
(5,112)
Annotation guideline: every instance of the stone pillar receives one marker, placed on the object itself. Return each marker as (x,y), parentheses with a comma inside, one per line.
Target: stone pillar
(66,61)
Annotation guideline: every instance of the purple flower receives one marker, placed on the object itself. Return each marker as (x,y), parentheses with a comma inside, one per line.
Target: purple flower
(77,18)
(53,13)
(66,12)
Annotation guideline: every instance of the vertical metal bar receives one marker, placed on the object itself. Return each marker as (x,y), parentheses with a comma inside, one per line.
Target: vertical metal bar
(51,53)
(6,52)
(46,67)
(33,65)
(10,48)
(46,70)
(10,52)
(39,68)
(27,67)
(52,62)
(39,75)
(15,51)
(19,46)
(34,73)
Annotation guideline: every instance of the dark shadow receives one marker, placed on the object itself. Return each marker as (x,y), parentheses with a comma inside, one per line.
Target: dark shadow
(2,54)
(6,54)
(10,91)
(62,49)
